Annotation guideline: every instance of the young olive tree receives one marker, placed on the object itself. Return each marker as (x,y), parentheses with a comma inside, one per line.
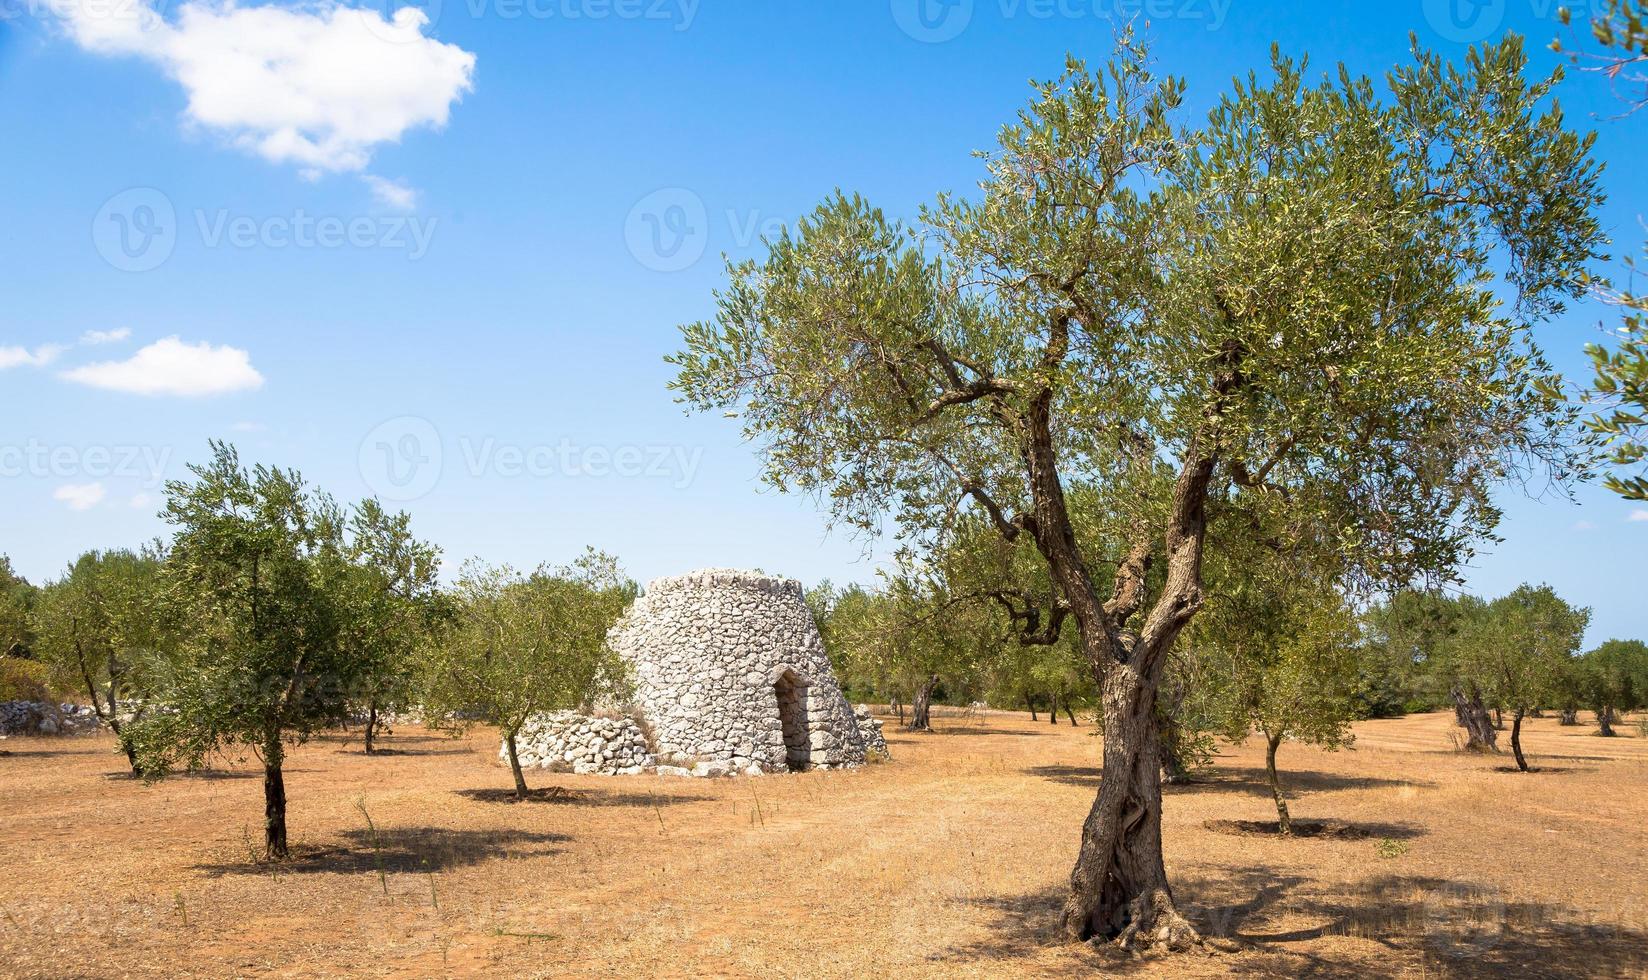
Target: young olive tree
(99,625)
(1518,649)
(1294,304)
(256,567)
(391,603)
(1613,680)
(1279,646)
(517,645)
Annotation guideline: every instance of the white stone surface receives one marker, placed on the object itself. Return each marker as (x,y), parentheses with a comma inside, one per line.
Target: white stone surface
(715,652)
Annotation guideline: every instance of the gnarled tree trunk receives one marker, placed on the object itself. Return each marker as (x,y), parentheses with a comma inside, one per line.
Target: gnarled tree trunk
(371,726)
(1605,721)
(1030,699)
(1570,716)
(921,719)
(1478,724)
(1119,886)
(1053,708)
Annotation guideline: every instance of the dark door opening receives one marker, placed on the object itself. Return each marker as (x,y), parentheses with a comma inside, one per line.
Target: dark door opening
(792,716)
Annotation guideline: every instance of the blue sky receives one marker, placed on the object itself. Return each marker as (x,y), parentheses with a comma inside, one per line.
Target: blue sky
(442,260)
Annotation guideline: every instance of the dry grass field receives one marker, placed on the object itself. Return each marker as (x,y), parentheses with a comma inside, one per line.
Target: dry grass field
(947,862)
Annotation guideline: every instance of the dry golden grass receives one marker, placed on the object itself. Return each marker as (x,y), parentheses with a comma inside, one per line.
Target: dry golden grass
(946,862)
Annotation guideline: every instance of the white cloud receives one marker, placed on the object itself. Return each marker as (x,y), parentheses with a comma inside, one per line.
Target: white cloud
(1584,526)
(1638,515)
(391,193)
(172,367)
(92,338)
(320,85)
(248,427)
(11,357)
(80,496)
(142,500)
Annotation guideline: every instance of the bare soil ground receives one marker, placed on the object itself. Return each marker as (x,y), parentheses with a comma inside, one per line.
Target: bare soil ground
(947,862)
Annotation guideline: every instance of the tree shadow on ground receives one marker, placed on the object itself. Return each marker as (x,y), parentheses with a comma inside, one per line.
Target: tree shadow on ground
(401,849)
(976,730)
(580,797)
(1431,925)
(1320,829)
(1236,780)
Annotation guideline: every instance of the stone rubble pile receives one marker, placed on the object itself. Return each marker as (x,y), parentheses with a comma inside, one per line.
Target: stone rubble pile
(869,729)
(42,718)
(565,741)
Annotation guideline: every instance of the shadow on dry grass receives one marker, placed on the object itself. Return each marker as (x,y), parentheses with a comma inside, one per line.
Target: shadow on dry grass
(1432,925)
(580,797)
(393,850)
(1236,780)
(1324,829)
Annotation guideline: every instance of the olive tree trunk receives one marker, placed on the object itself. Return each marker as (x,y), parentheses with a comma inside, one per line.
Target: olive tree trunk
(1473,715)
(1516,740)
(274,800)
(371,726)
(1605,721)
(921,711)
(1284,822)
(515,764)
(1053,708)
(1570,716)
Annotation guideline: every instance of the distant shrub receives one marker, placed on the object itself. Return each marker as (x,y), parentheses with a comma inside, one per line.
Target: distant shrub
(1387,847)
(24,680)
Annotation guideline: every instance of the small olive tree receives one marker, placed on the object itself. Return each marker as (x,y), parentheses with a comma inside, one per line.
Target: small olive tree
(1518,649)
(99,625)
(1280,648)
(256,568)
(392,602)
(1613,680)
(520,644)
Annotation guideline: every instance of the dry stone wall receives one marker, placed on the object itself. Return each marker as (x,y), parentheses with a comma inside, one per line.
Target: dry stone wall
(565,741)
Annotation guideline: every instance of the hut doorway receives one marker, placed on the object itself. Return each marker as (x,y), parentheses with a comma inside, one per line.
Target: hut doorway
(791,694)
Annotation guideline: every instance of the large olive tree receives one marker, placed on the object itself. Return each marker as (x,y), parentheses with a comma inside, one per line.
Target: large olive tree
(1316,303)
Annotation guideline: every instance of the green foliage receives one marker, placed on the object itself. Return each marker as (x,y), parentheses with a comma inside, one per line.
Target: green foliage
(1614,677)
(519,644)
(17,598)
(103,626)
(25,680)
(391,602)
(1621,384)
(1278,649)
(1517,648)
(1115,264)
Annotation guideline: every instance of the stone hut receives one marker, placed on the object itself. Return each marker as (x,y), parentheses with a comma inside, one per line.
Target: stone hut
(731,676)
